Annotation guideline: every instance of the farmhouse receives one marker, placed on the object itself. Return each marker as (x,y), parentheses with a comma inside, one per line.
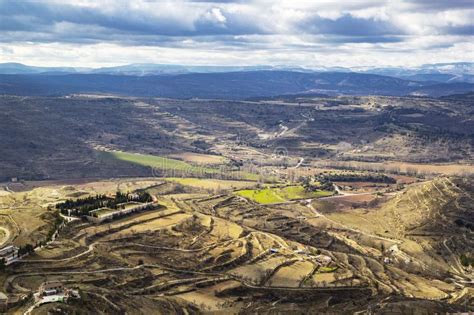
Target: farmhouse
(54,291)
(51,288)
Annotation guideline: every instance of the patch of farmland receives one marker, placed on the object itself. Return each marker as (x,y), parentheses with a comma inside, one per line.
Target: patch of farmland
(214,184)
(199,158)
(271,195)
(124,221)
(320,278)
(263,196)
(206,297)
(157,224)
(226,229)
(406,167)
(256,272)
(157,162)
(292,275)
(298,192)
(420,287)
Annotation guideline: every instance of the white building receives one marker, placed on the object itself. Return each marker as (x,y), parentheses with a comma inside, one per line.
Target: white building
(323,259)
(9,253)
(132,207)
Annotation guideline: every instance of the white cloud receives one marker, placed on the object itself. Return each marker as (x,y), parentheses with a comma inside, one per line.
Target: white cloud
(215,15)
(294,32)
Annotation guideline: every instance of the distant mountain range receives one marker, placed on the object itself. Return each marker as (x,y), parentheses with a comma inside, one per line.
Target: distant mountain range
(441,72)
(138,69)
(224,85)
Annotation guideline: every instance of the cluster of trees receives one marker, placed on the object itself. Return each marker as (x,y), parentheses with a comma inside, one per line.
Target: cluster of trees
(140,196)
(83,206)
(352,177)
(461,223)
(27,249)
(324,184)
(373,167)
(467,260)
(57,225)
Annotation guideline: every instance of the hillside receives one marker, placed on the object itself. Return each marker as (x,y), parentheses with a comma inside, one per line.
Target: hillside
(230,85)
(433,220)
(56,144)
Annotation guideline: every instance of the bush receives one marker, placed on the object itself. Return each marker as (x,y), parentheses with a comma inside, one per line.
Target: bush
(467,260)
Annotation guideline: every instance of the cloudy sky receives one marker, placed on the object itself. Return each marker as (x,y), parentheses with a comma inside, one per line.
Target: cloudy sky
(307,33)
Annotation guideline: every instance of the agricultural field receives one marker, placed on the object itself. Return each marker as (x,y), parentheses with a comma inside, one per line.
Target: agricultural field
(204,159)
(211,184)
(270,195)
(159,163)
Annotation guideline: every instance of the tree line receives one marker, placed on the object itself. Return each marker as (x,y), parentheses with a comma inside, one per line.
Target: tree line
(83,206)
(350,177)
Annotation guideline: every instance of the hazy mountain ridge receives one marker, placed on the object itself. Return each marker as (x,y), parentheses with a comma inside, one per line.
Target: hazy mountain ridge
(227,85)
(443,72)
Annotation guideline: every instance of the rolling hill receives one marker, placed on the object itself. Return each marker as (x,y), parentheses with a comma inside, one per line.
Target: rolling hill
(227,85)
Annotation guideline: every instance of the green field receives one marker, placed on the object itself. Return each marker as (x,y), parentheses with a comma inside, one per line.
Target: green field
(166,164)
(158,162)
(264,196)
(280,194)
(327,269)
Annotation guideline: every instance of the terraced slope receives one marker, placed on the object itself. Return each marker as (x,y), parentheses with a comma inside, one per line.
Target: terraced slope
(431,222)
(431,207)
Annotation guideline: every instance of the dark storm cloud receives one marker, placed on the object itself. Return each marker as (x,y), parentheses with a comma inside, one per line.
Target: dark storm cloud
(216,20)
(348,26)
(36,17)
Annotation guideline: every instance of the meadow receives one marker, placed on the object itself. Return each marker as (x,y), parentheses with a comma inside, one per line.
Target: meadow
(270,195)
(159,162)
